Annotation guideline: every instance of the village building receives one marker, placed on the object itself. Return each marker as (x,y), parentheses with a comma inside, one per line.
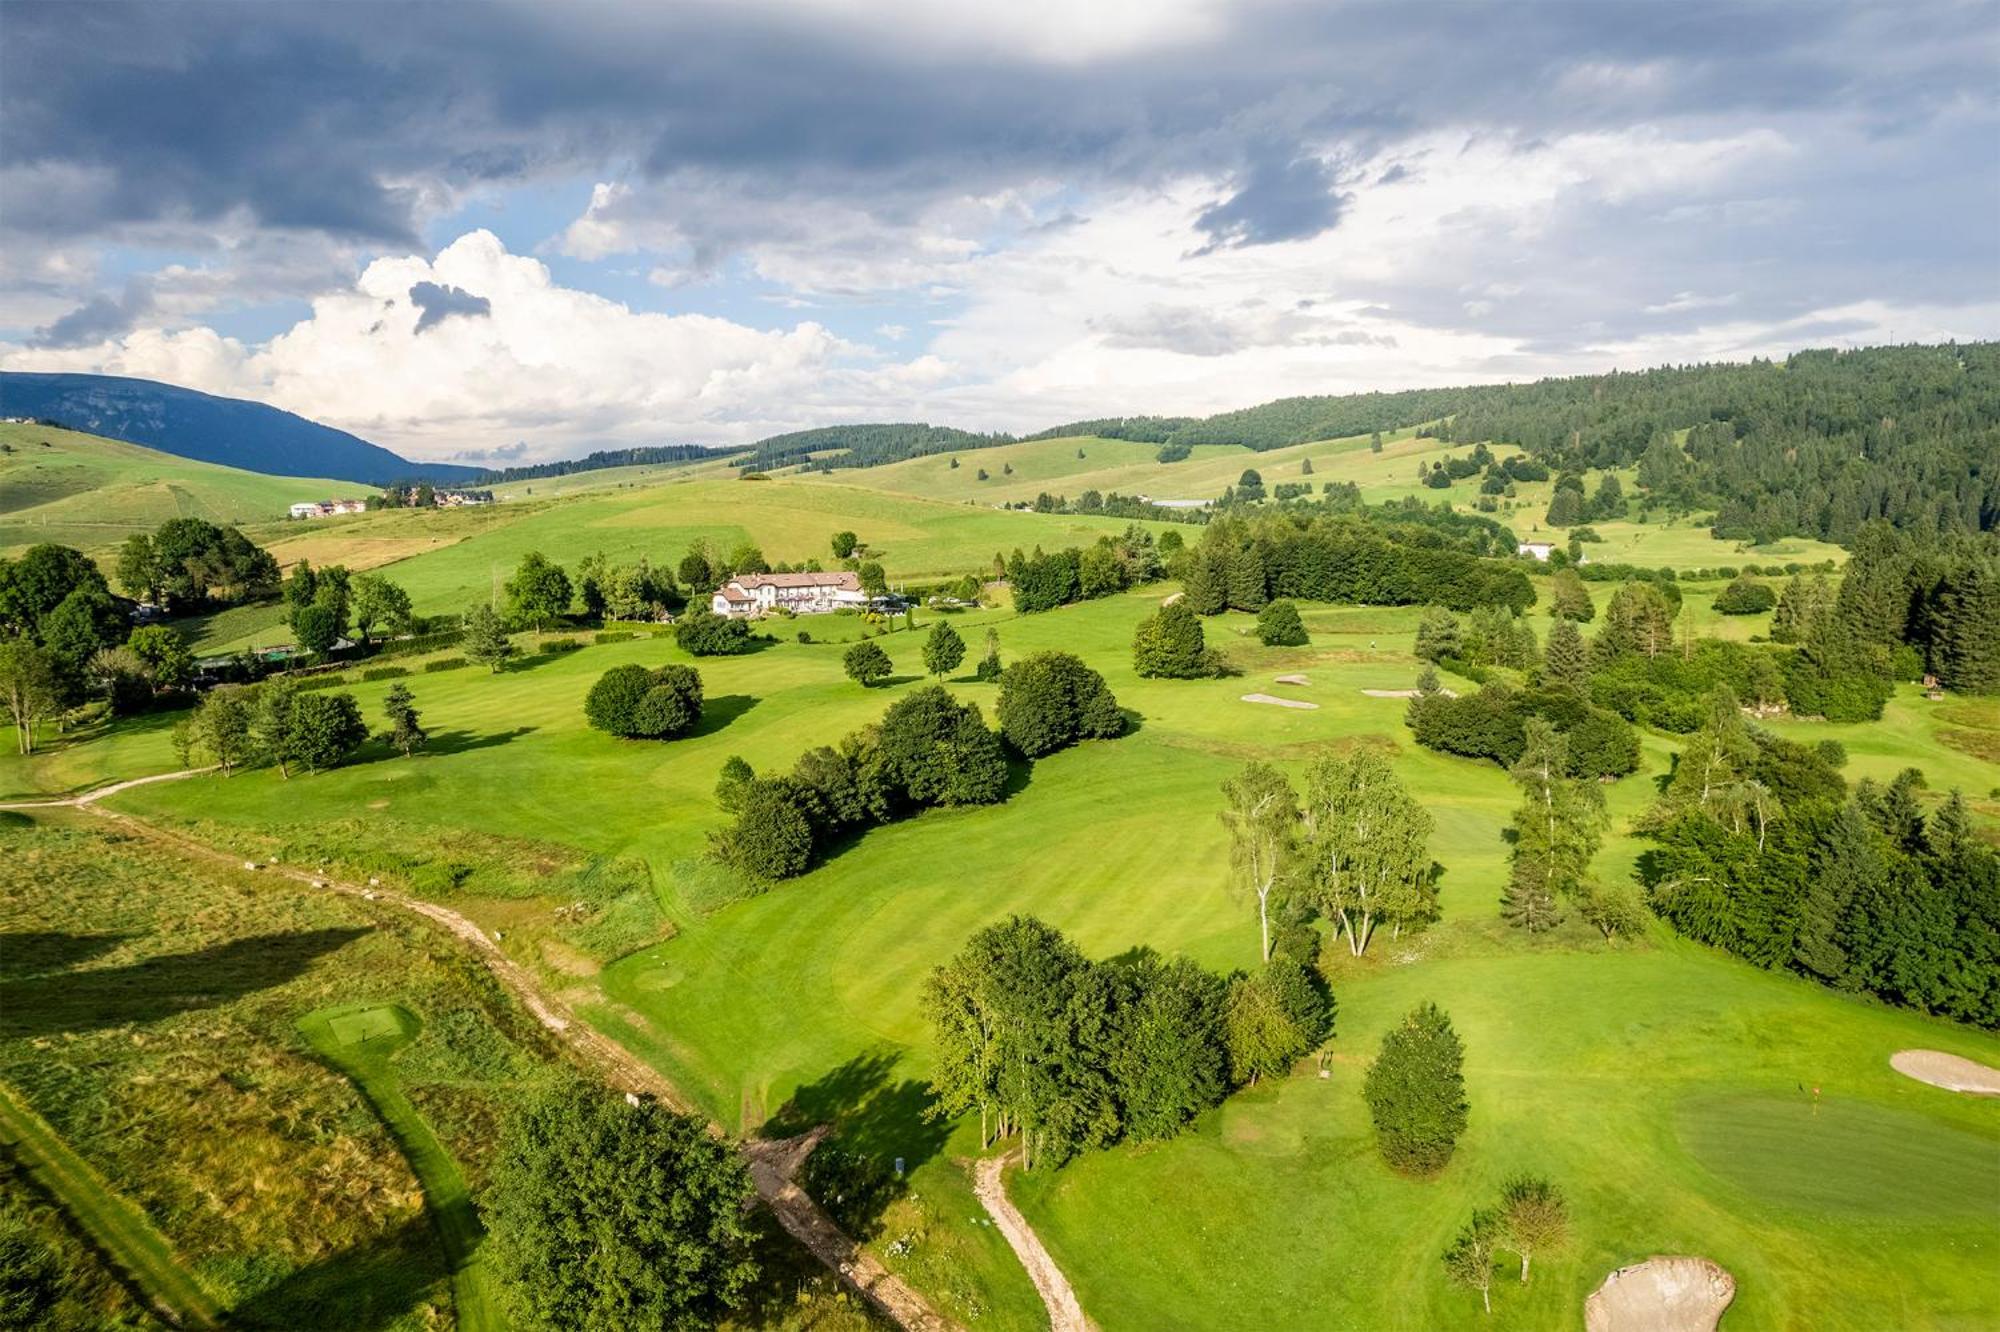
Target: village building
(1541,550)
(800,593)
(328,508)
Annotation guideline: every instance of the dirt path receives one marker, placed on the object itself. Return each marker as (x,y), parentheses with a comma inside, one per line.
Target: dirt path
(771,1164)
(96,794)
(117,1228)
(1065,1314)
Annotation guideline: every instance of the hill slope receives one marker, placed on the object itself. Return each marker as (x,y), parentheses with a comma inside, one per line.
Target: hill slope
(91,493)
(230,431)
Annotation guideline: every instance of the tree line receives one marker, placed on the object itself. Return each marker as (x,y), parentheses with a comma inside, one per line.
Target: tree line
(1764,852)
(929,749)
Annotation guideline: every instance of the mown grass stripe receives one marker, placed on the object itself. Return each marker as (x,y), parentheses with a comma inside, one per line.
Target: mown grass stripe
(111,1223)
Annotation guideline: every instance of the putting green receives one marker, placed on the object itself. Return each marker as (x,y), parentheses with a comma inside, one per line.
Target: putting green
(1843,1155)
(380,1022)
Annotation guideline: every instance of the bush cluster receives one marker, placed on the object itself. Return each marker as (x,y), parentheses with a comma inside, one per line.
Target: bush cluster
(1492,723)
(928,749)
(1051,700)
(703,633)
(636,703)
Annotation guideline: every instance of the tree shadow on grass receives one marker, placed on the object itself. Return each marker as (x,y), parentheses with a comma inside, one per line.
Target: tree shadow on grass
(721,710)
(876,1120)
(160,987)
(38,952)
(464,742)
(372,1285)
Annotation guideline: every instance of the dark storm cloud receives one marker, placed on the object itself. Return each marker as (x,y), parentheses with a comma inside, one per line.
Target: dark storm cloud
(1275,201)
(355,122)
(97,319)
(315,116)
(440,303)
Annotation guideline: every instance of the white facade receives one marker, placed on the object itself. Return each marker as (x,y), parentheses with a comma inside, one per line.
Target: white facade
(800,593)
(1539,549)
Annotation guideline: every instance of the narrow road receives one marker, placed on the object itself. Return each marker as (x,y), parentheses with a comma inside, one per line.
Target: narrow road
(1065,1313)
(771,1167)
(98,793)
(117,1228)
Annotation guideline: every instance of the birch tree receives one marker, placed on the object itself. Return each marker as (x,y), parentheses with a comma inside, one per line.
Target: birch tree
(1368,847)
(1262,817)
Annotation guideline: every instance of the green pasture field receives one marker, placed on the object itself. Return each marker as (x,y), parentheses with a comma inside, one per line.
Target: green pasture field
(789,520)
(91,493)
(799,1003)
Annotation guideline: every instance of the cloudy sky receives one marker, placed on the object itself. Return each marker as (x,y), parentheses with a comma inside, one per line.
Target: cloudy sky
(498,231)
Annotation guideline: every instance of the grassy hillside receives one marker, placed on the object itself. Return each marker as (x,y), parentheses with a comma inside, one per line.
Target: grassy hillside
(1608,1067)
(91,493)
(447,560)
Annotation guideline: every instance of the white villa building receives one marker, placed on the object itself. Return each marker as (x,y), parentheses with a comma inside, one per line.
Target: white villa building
(328,508)
(1541,550)
(801,593)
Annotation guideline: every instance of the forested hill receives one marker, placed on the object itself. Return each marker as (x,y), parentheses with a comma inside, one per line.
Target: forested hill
(1814,445)
(642,456)
(865,445)
(230,431)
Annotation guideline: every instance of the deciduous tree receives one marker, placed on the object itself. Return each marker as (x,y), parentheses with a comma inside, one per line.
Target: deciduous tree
(1415,1091)
(1262,815)
(943,649)
(866,663)
(603,1214)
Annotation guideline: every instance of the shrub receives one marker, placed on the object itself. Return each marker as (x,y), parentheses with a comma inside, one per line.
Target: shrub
(384,673)
(1415,1091)
(1745,597)
(1279,625)
(703,633)
(772,837)
(556,646)
(635,703)
(1051,700)
(445,664)
(612,636)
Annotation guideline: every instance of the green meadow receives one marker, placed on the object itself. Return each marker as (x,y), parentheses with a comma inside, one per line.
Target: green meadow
(1627,1072)
(91,493)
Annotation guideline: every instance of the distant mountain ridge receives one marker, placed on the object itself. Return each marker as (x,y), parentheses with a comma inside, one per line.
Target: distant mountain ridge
(229,431)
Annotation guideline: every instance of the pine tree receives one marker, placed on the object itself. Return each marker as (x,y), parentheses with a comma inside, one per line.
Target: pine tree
(1415,1091)
(1565,660)
(1968,638)
(486,638)
(1247,589)
(1557,829)
(1569,599)
(406,731)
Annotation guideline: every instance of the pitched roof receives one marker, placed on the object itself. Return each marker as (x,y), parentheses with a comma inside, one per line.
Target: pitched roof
(842,579)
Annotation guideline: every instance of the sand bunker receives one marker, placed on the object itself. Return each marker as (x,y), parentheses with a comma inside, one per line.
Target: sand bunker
(1275,701)
(1661,1295)
(1948,1071)
(1292,680)
(1402,693)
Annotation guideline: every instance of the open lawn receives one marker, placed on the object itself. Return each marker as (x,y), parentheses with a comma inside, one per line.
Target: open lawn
(91,493)
(1587,1061)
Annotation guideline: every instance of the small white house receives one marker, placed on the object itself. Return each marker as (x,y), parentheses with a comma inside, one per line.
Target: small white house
(328,508)
(800,593)
(1541,550)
